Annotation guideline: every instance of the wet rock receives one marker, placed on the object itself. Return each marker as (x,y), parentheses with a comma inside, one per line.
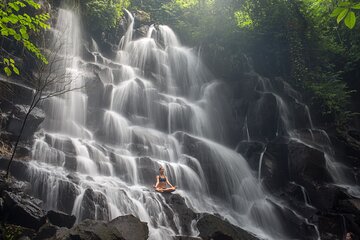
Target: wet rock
(46,231)
(60,219)
(265,127)
(17,117)
(296,227)
(121,228)
(95,90)
(18,168)
(1,206)
(251,151)
(306,162)
(141,31)
(292,194)
(70,163)
(73,178)
(93,204)
(20,94)
(67,195)
(23,151)
(130,227)
(86,54)
(350,206)
(274,169)
(331,226)
(61,143)
(186,238)
(23,211)
(301,115)
(212,227)
(148,169)
(324,197)
(185,214)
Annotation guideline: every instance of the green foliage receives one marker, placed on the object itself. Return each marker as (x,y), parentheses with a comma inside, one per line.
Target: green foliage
(345,10)
(331,95)
(243,19)
(102,15)
(17,24)
(298,40)
(12,232)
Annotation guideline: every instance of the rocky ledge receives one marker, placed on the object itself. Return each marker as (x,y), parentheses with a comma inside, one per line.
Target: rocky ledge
(23,217)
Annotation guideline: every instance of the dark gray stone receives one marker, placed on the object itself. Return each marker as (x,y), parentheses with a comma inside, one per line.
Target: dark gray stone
(19,94)
(18,168)
(35,118)
(46,231)
(88,209)
(60,219)
(307,162)
(67,195)
(22,211)
(185,214)
(214,228)
(121,228)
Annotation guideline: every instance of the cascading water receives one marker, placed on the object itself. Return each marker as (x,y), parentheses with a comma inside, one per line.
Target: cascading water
(96,157)
(286,127)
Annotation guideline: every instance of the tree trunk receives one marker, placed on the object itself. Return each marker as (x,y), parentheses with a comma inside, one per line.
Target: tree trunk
(18,140)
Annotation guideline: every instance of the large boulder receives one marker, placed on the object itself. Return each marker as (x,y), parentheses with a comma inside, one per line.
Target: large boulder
(214,228)
(307,163)
(274,169)
(95,89)
(184,214)
(252,151)
(94,205)
(263,117)
(23,211)
(46,231)
(60,219)
(18,168)
(61,143)
(121,228)
(67,195)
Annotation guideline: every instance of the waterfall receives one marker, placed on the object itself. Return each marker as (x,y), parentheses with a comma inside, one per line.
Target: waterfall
(156,104)
(98,153)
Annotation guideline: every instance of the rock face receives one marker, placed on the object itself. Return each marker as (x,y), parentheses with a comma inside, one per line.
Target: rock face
(185,214)
(60,219)
(307,163)
(14,106)
(121,228)
(93,204)
(23,211)
(18,168)
(214,228)
(17,117)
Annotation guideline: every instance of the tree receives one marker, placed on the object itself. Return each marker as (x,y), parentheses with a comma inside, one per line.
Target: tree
(345,10)
(102,15)
(47,81)
(17,22)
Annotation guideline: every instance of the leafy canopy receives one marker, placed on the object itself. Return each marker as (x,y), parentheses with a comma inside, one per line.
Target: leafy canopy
(102,15)
(17,23)
(345,11)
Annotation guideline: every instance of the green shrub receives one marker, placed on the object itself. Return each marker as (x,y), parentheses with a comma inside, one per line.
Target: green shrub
(102,15)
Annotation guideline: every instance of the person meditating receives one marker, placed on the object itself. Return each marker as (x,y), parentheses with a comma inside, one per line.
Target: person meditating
(161,181)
